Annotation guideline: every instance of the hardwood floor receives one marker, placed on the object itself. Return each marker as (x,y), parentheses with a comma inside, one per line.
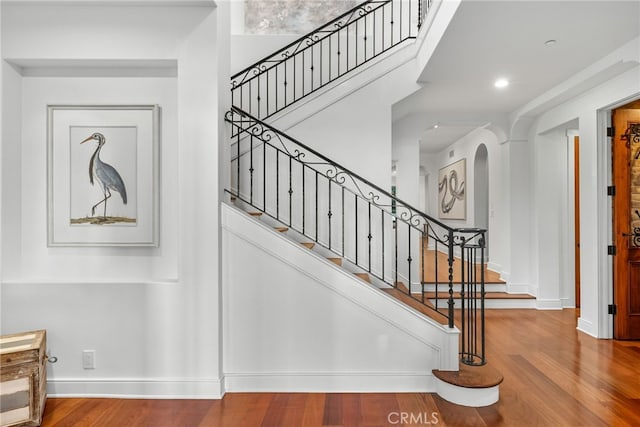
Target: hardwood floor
(553,376)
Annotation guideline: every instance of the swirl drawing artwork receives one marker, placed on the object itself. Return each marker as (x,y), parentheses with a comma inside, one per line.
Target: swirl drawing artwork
(451,191)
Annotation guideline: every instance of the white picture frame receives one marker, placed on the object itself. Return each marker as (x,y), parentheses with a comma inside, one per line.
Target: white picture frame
(452,195)
(102,175)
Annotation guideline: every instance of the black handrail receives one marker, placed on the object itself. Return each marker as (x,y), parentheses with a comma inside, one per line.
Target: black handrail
(256,122)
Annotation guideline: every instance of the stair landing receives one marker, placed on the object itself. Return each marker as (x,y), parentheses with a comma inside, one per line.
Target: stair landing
(474,386)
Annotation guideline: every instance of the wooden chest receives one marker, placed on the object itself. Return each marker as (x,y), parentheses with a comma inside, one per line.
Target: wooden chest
(23,382)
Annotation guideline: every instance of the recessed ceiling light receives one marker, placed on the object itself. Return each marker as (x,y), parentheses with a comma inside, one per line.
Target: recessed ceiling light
(550,42)
(436,126)
(501,83)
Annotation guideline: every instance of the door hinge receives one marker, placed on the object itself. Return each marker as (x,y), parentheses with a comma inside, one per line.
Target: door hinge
(611,131)
(611,190)
(613,309)
(611,250)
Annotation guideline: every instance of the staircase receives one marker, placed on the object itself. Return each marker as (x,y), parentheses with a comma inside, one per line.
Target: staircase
(334,213)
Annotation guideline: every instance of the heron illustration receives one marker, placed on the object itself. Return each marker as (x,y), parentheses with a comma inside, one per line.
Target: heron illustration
(106,174)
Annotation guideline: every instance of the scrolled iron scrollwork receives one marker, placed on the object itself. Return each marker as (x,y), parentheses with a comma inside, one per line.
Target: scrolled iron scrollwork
(298,155)
(335,175)
(632,134)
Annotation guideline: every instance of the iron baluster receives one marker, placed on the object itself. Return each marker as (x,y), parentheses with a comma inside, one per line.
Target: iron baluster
(258,97)
(409,259)
(450,262)
(330,214)
(264,177)
(342,213)
(400,19)
(382,238)
(369,236)
(436,263)
(304,199)
(364,40)
(330,55)
(482,297)
(238,158)
(321,60)
(423,251)
(392,22)
(311,69)
(251,170)
(395,256)
(277,184)
(290,191)
(383,22)
(317,206)
(348,29)
(356,229)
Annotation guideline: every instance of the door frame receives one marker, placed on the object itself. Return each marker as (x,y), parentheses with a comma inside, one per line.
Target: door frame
(605,215)
(620,261)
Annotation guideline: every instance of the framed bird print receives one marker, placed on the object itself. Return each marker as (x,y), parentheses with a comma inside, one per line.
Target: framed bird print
(103,175)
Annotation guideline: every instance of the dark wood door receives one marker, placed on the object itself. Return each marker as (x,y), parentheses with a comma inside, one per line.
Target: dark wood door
(626,220)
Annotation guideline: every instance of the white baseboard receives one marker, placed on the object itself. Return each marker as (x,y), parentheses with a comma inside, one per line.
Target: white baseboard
(132,388)
(495,267)
(586,326)
(548,304)
(520,288)
(328,382)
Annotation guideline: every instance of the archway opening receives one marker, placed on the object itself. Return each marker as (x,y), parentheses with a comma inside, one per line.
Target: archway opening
(481,191)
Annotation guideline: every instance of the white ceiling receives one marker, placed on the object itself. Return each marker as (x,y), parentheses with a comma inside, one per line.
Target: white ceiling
(491,39)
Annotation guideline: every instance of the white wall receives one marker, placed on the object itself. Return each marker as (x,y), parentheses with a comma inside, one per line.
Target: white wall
(151,314)
(296,322)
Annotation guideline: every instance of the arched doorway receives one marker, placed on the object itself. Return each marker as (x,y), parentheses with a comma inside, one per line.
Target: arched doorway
(481,190)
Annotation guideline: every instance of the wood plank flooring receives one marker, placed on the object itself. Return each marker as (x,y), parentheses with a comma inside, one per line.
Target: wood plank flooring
(553,376)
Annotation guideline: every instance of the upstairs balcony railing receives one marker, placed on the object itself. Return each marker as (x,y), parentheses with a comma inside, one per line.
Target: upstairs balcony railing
(317,59)
(367,227)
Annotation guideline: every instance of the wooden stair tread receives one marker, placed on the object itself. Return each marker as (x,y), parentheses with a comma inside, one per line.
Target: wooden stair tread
(430,258)
(255,213)
(337,261)
(417,305)
(308,245)
(471,376)
(488,295)
(282,229)
(364,276)
(402,287)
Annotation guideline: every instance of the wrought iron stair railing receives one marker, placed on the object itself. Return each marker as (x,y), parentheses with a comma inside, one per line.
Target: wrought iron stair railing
(334,207)
(361,223)
(336,48)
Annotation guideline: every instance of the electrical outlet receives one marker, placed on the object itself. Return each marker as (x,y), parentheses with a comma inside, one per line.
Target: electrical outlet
(89,359)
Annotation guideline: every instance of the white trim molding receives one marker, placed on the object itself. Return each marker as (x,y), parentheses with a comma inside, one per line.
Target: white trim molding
(135,388)
(331,382)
